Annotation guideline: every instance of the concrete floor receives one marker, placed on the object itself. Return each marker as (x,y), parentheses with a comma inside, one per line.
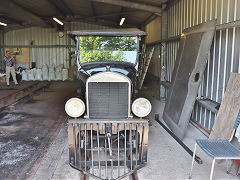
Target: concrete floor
(7,90)
(28,128)
(167,160)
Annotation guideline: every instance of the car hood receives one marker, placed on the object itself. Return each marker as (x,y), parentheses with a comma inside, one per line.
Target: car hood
(113,64)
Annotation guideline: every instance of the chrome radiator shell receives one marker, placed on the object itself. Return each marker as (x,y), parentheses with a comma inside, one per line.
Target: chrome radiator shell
(109,77)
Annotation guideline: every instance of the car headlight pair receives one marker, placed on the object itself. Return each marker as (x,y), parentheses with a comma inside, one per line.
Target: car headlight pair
(75,107)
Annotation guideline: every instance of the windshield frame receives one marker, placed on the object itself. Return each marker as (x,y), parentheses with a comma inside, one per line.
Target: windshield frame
(79,63)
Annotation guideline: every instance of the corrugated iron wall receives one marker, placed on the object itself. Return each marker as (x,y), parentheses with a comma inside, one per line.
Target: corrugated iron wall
(48,48)
(171,53)
(225,52)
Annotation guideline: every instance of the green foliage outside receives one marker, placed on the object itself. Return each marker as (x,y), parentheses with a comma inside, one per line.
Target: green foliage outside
(106,48)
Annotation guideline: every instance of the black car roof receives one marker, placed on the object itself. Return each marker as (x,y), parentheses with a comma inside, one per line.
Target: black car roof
(109,32)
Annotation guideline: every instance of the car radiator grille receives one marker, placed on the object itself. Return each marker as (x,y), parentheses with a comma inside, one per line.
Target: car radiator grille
(108,99)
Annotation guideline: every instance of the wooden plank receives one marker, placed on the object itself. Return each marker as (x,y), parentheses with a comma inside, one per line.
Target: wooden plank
(226,117)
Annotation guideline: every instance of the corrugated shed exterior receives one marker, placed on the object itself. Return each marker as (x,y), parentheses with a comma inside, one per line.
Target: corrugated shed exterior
(225,54)
(48,47)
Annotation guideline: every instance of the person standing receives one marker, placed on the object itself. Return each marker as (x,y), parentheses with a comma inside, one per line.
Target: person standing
(10,67)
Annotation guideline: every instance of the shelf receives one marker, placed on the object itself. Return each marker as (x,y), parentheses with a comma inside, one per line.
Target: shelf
(209,104)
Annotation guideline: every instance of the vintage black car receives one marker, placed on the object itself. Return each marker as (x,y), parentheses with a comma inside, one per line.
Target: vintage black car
(108,136)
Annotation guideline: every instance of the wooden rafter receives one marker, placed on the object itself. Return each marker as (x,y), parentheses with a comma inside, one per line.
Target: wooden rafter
(11,20)
(100,21)
(93,10)
(62,7)
(148,20)
(52,3)
(35,19)
(105,15)
(129,4)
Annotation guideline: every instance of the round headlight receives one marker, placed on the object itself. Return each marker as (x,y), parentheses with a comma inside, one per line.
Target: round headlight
(141,107)
(74,107)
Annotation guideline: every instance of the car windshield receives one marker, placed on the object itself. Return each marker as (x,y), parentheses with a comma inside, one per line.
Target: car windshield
(92,49)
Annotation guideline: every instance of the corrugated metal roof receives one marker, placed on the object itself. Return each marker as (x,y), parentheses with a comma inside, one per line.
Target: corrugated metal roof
(41,8)
(35,11)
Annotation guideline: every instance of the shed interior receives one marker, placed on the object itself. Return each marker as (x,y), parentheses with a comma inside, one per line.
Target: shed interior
(28,27)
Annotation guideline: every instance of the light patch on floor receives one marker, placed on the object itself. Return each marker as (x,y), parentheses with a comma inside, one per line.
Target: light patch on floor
(10,117)
(16,155)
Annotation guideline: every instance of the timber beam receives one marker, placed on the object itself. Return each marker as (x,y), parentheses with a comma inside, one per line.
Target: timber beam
(61,6)
(30,15)
(133,5)
(105,15)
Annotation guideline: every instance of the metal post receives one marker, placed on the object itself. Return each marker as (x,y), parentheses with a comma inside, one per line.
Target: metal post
(111,149)
(136,144)
(79,143)
(106,171)
(92,147)
(131,154)
(194,153)
(99,163)
(118,150)
(85,139)
(212,169)
(125,147)
(75,145)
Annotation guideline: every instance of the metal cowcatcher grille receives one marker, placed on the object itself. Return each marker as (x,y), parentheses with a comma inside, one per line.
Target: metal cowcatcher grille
(108,149)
